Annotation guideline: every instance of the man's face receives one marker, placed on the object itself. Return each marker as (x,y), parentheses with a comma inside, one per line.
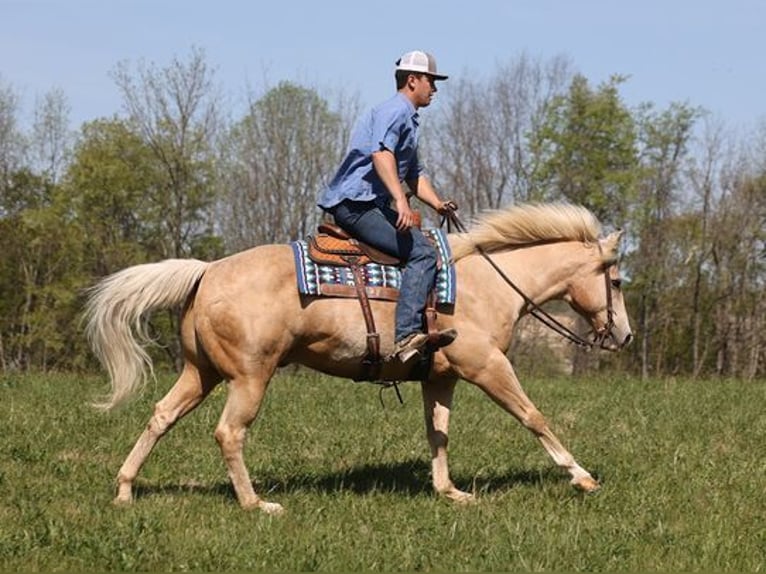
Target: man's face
(423,88)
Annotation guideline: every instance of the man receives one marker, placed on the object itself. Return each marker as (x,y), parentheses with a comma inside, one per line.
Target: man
(382,154)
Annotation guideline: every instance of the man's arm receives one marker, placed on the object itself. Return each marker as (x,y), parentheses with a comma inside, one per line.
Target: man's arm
(384,163)
(422,188)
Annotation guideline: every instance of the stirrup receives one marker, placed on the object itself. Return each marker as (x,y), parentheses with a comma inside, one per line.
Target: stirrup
(409,347)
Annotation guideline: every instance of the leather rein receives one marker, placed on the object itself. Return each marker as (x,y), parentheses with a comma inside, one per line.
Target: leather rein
(538,312)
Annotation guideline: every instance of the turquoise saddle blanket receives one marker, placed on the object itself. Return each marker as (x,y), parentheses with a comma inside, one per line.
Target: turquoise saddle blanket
(311,276)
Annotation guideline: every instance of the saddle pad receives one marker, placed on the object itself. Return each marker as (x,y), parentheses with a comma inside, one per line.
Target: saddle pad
(312,276)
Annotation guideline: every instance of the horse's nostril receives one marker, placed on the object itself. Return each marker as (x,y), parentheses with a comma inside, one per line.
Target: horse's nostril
(627,340)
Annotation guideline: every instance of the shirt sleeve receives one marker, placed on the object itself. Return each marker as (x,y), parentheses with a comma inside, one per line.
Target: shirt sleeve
(414,169)
(386,130)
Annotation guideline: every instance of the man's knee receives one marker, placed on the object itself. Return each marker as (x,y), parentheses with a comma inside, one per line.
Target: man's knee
(425,255)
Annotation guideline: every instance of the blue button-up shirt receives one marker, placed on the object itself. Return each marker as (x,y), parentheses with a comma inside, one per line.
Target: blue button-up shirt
(393,125)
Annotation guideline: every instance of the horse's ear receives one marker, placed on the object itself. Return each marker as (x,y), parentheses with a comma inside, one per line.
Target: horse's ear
(610,244)
(616,236)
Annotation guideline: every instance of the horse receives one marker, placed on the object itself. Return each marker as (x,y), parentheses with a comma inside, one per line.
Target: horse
(242,318)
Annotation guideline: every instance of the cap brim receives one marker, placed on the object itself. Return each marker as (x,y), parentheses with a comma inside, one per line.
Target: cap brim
(434,76)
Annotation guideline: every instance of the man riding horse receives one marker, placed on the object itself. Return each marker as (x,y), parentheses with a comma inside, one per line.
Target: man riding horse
(383,153)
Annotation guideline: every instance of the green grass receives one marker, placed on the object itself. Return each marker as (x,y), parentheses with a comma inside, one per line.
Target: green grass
(681,464)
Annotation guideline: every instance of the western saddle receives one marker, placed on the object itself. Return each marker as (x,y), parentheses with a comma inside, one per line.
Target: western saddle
(334,246)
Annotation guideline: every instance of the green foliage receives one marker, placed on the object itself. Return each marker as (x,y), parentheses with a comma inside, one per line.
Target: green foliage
(587,150)
(173,110)
(40,278)
(24,190)
(162,182)
(58,238)
(108,184)
(681,481)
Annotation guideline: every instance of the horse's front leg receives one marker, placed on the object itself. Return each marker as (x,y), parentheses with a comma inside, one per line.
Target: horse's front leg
(496,378)
(437,402)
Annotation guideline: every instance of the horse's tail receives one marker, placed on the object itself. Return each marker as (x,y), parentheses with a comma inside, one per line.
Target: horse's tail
(114,312)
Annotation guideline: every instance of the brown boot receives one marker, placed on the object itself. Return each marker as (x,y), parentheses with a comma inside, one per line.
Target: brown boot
(409,347)
(413,344)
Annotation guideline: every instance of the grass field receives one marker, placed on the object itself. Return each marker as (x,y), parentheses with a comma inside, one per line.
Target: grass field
(682,466)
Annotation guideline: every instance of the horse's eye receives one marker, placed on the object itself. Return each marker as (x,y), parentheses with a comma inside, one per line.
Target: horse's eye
(617,283)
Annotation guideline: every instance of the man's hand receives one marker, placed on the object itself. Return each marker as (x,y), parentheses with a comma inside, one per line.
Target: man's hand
(446,207)
(407,218)
(385,166)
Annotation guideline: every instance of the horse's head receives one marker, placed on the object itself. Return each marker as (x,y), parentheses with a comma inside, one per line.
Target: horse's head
(597,295)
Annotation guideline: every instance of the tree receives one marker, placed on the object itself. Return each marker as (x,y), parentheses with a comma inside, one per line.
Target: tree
(664,139)
(479,145)
(40,279)
(277,159)
(175,112)
(705,168)
(112,172)
(51,138)
(11,144)
(40,249)
(587,153)
(739,266)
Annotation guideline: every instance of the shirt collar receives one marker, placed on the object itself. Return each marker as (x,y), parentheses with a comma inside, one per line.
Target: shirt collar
(413,111)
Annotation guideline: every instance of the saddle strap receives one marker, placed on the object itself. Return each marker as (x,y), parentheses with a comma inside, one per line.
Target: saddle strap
(372,361)
(430,314)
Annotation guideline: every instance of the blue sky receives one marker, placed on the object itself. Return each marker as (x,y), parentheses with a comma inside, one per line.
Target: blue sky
(708,53)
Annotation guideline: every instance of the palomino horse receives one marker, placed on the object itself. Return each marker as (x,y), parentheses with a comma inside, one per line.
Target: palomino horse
(243,318)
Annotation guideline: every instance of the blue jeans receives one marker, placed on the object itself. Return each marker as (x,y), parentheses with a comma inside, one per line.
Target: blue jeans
(376,225)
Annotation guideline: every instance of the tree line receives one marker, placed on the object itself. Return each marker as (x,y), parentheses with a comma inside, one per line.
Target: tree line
(175,173)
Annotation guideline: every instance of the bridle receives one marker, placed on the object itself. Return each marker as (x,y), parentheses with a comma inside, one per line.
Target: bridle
(600,336)
(606,331)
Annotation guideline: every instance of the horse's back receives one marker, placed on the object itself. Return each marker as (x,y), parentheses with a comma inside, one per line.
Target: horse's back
(248,309)
(256,281)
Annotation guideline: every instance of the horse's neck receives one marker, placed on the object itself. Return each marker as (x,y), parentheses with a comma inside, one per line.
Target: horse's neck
(542,272)
(554,265)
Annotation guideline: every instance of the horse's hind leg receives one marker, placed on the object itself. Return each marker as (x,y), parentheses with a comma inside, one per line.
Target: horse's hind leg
(189,390)
(245,395)
(437,402)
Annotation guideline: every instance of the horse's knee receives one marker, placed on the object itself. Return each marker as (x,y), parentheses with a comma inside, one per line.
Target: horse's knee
(160,422)
(221,435)
(228,439)
(535,422)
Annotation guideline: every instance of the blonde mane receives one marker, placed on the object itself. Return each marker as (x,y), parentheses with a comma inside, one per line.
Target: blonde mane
(523,224)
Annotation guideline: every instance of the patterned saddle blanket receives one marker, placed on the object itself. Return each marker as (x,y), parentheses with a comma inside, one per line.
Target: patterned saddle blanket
(381,281)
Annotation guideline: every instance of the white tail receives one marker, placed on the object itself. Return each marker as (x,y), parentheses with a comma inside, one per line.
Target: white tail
(114,314)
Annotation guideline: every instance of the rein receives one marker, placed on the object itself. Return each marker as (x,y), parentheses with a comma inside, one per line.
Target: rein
(535,310)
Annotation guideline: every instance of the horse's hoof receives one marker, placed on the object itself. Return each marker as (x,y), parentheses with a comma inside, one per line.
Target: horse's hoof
(586,484)
(272,508)
(122,501)
(460,497)
(465,499)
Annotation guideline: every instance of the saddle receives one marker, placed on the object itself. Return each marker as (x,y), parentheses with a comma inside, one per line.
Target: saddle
(334,246)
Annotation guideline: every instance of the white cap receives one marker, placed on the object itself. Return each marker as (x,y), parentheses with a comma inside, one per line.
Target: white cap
(420,62)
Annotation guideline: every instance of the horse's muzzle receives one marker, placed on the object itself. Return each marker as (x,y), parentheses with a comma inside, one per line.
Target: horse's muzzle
(611,341)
